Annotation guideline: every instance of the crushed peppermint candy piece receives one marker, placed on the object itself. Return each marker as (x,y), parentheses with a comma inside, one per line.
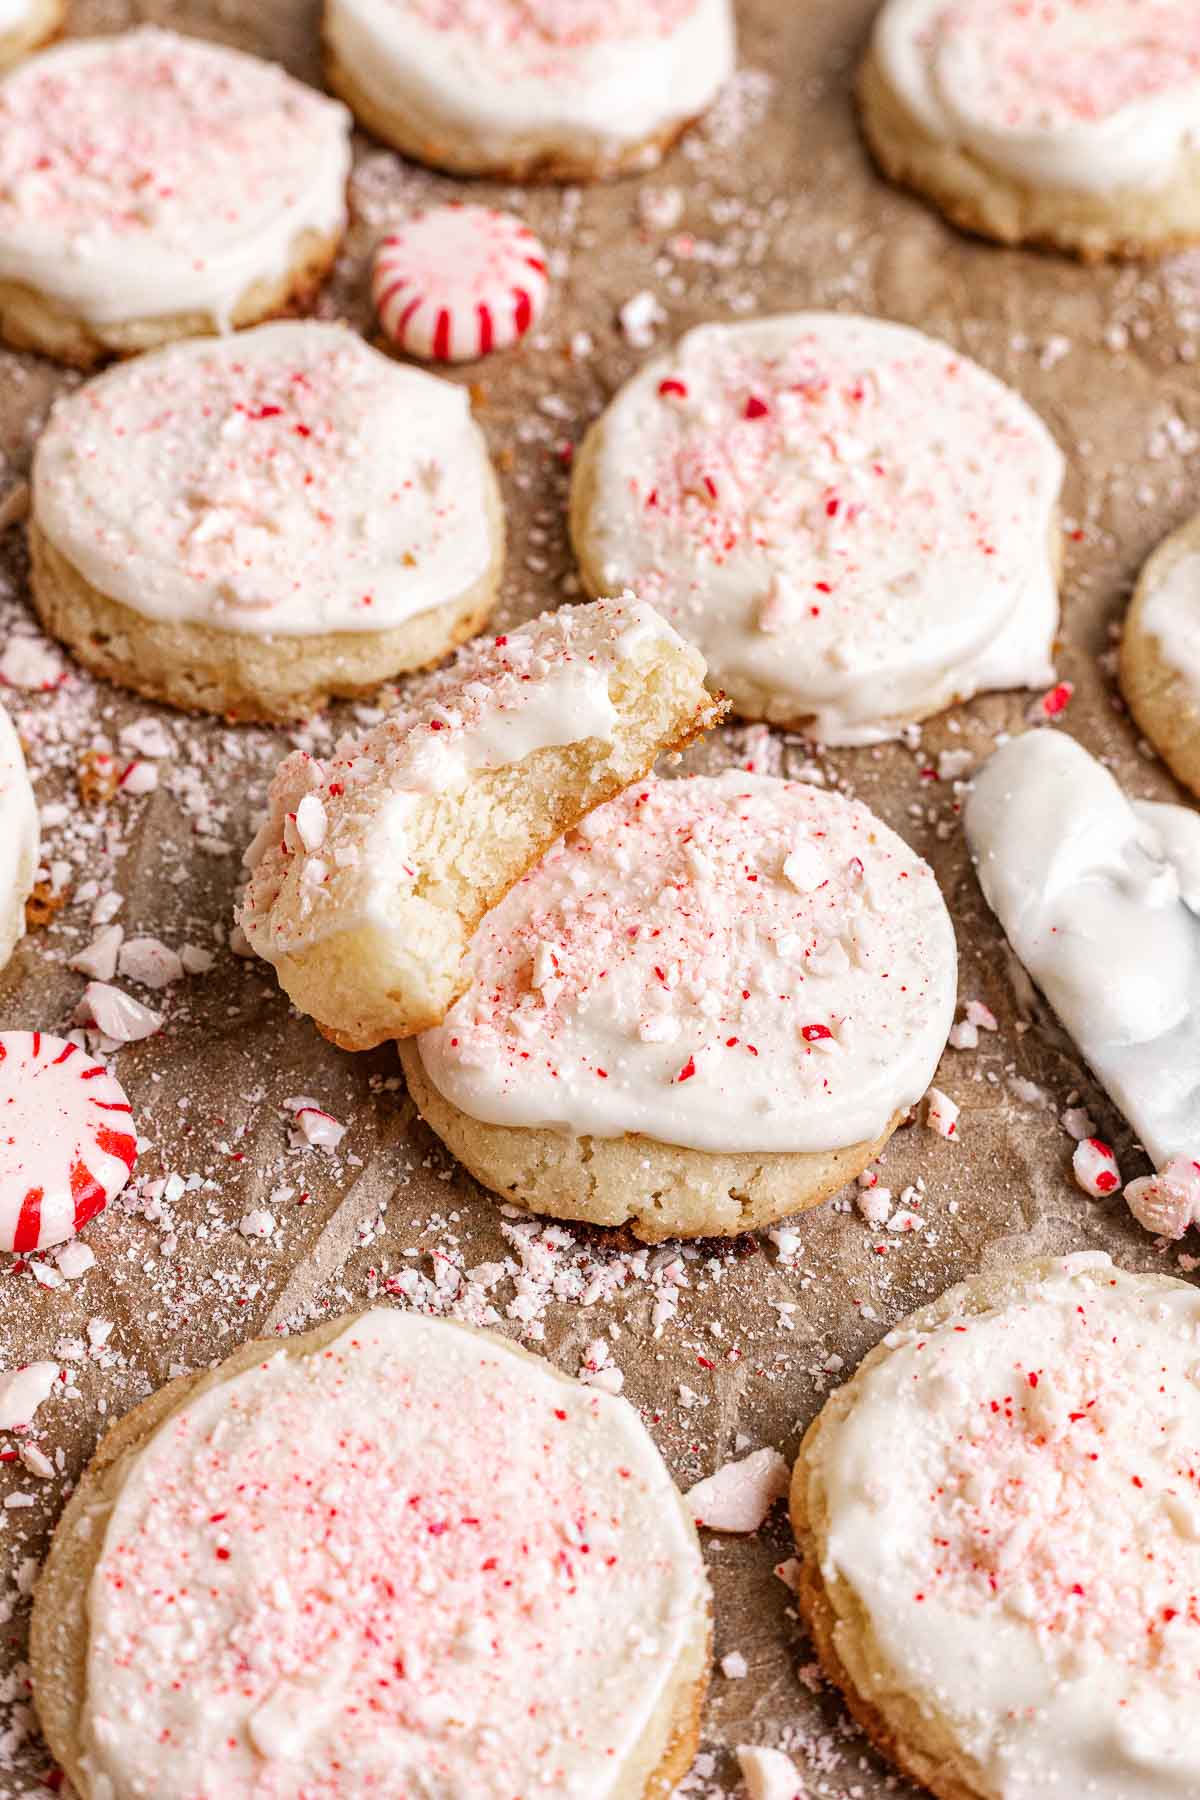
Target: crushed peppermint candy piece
(99,958)
(116,1014)
(457,282)
(640,317)
(1167,1202)
(32,663)
(734,1666)
(1095,1167)
(22,1391)
(941,1114)
(314,1125)
(875,1204)
(258,1223)
(739,1495)
(981,1016)
(769,1774)
(149,962)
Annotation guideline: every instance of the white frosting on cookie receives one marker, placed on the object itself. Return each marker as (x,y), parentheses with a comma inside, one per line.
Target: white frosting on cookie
(151,174)
(19,838)
(14,13)
(853,521)
(413,1562)
(519,78)
(1171,613)
(1100,899)
(1085,95)
(286,481)
(334,850)
(737,963)
(1012,1499)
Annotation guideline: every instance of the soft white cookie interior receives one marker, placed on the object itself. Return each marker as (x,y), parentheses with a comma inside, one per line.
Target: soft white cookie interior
(854,522)
(1086,95)
(289,481)
(1100,898)
(728,964)
(405,1559)
(519,80)
(1005,1511)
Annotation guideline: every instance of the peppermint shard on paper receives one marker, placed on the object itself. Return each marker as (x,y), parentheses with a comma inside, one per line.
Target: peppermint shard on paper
(374,866)
(1100,899)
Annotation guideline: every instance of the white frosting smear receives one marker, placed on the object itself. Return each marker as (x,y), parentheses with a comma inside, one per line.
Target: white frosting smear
(736,963)
(851,520)
(288,480)
(519,77)
(151,174)
(19,838)
(1171,613)
(1013,1501)
(1088,95)
(333,850)
(1100,899)
(411,1563)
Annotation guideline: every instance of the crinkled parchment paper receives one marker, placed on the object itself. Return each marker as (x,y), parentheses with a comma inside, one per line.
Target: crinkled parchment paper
(771,205)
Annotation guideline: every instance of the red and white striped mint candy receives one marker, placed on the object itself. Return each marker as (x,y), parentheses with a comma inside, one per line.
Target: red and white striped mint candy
(67,1142)
(458,281)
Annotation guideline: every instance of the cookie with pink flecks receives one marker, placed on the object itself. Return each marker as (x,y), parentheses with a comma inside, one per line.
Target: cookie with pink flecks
(563,90)
(456,283)
(1000,1531)
(67,1141)
(387,1554)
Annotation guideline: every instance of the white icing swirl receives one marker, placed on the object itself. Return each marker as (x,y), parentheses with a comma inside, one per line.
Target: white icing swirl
(150,174)
(289,480)
(1100,899)
(851,520)
(1084,95)
(1012,1501)
(413,1562)
(737,963)
(19,838)
(516,78)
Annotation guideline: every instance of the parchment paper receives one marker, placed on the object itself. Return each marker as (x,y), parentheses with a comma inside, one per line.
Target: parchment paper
(725,1346)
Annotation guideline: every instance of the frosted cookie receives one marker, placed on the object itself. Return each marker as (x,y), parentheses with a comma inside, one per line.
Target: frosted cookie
(855,523)
(1074,124)
(1001,1538)
(156,187)
(561,90)
(1100,899)
(707,1008)
(67,1142)
(1160,653)
(392,1556)
(374,865)
(26,25)
(19,839)
(458,282)
(297,517)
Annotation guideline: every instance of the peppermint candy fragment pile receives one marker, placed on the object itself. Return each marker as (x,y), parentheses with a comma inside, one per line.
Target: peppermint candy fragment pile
(457,282)
(67,1143)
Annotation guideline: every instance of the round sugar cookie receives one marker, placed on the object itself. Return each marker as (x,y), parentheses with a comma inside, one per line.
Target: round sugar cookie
(1159,667)
(374,865)
(67,1140)
(707,1008)
(1073,125)
(560,90)
(19,838)
(26,25)
(855,523)
(298,516)
(393,1555)
(1000,1533)
(154,187)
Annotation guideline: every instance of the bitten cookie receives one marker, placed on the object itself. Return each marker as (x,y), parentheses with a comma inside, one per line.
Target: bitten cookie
(1001,1537)
(707,1008)
(26,25)
(1160,653)
(562,90)
(374,865)
(1100,899)
(1074,125)
(391,1556)
(19,839)
(155,187)
(297,516)
(855,523)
